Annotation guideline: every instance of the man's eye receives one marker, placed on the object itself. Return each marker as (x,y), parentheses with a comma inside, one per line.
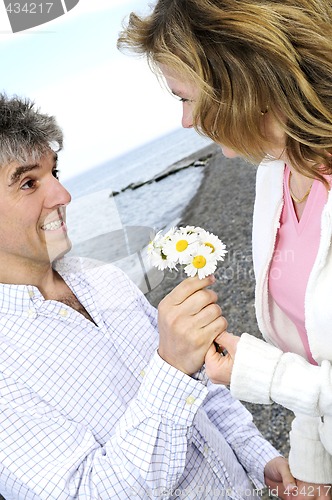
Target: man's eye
(55,173)
(30,184)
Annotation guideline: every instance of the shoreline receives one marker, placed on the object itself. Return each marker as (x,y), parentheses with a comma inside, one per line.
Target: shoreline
(198,159)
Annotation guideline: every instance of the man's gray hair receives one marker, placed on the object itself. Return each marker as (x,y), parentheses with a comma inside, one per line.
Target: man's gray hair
(25,133)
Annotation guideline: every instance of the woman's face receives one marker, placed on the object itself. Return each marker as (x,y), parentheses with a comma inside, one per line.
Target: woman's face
(187,93)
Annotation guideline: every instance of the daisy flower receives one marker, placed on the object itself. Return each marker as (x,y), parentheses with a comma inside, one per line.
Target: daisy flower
(212,241)
(193,247)
(201,262)
(156,254)
(191,229)
(169,233)
(178,246)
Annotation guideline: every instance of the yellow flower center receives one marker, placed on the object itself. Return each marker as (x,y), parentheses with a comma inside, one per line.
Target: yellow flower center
(181,245)
(199,261)
(207,244)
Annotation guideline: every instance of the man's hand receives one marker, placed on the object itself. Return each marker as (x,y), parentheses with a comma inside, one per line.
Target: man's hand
(219,368)
(189,321)
(279,479)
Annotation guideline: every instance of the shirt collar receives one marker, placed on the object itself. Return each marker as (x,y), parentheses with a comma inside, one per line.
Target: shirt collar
(16,299)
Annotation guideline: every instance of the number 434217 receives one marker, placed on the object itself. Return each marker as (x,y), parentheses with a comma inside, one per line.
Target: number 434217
(29,8)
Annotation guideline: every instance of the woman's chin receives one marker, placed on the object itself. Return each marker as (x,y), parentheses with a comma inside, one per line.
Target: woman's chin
(229,153)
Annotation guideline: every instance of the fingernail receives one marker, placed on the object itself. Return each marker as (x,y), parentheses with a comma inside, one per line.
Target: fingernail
(212,278)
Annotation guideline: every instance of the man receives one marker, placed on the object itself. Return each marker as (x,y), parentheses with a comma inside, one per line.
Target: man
(88,407)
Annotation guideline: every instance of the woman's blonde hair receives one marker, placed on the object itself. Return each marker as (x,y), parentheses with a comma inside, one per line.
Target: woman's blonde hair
(249,58)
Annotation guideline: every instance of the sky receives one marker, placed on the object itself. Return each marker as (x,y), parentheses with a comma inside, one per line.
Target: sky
(106,102)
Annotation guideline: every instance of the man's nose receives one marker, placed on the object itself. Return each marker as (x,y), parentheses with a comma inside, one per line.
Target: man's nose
(57,194)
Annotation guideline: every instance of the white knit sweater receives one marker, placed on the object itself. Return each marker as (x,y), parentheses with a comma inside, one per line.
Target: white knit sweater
(263,373)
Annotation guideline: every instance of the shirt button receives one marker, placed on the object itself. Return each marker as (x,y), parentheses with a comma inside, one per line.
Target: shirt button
(142,373)
(206,450)
(31,294)
(31,313)
(190,400)
(63,312)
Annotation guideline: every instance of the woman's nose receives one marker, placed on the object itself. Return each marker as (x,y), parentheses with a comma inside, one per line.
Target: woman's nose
(187,118)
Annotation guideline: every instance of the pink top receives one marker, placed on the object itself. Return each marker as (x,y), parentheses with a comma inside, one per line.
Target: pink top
(294,255)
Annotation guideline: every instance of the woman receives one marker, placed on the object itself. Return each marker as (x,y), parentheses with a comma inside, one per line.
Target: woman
(256,77)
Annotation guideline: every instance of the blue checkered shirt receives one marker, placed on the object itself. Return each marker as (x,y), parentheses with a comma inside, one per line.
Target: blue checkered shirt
(90,411)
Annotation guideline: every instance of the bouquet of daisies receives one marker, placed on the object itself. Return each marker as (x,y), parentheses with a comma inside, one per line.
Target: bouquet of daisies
(197,250)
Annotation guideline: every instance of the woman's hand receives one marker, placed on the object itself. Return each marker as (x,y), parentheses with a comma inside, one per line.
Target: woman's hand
(218,367)
(311,491)
(279,479)
(189,320)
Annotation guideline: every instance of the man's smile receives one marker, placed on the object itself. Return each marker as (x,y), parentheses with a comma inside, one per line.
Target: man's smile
(53,226)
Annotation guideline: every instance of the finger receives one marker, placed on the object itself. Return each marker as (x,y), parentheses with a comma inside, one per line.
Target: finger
(207,315)
(218,368)
(228,341)
(212,354)
(288,479)
(188,287)
(212,359)
(198,301)
(211,331)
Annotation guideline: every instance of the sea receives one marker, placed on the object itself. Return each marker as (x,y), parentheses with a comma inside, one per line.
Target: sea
(109,221)
(95,210)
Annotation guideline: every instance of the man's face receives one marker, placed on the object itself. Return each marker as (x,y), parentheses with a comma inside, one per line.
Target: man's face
(32,215)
